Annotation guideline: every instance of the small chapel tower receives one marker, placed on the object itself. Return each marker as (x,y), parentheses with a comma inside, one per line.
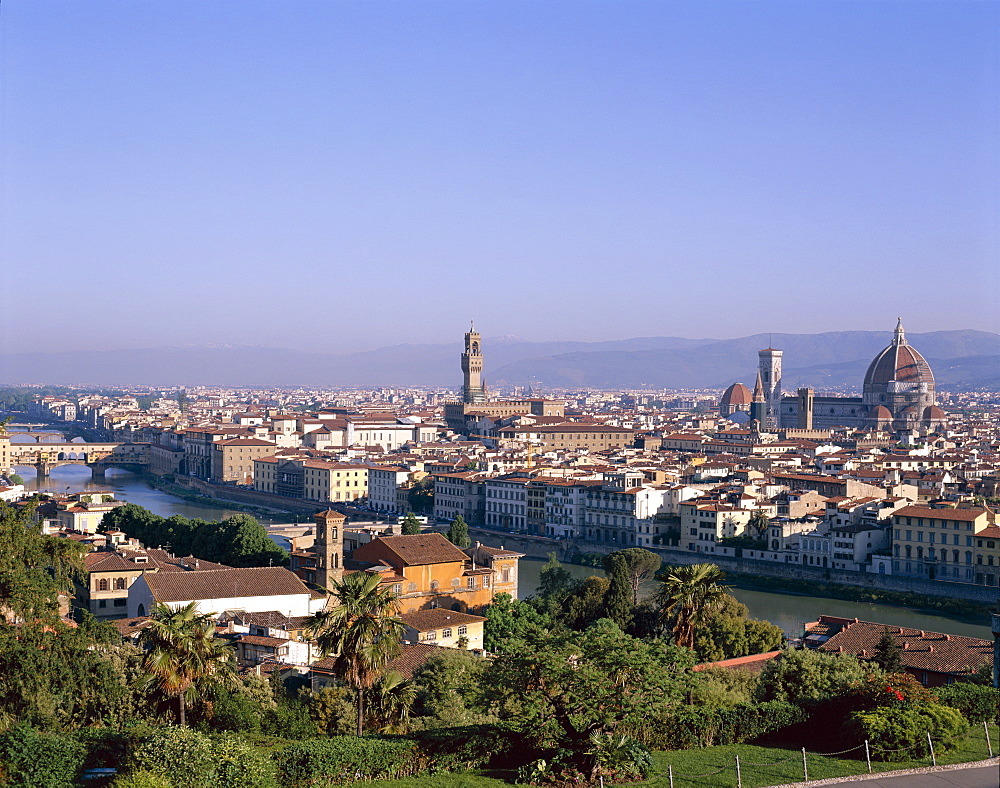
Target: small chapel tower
(329,548)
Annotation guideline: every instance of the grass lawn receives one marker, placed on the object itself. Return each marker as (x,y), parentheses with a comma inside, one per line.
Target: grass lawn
(754,775)
(752,759)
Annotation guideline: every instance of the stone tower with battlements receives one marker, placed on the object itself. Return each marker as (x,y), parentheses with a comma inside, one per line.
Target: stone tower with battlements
(473,391)
(329,548)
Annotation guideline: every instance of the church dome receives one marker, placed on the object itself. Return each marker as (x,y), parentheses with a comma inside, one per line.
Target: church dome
(736,395)
(899,362)
(880,413)
(933,413)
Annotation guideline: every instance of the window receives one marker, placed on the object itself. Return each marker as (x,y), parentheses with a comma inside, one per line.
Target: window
(471,582)
(446,633)
(462,630)
(431,636)
(121,602)
(102,584)
(120,583)
(411,587)
(434,585)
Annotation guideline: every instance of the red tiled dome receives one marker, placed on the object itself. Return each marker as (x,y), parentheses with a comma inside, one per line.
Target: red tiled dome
(898,362)
(737,394)
(933,413)
(880,413)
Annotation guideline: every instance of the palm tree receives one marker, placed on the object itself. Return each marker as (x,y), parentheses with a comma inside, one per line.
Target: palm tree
(181,649)
(688,596)
(392,699)
(362,632)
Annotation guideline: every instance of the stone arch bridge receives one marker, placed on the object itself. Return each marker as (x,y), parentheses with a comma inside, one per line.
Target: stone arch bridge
(97,456)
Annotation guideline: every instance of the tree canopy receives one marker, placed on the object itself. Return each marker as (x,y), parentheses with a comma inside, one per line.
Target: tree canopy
(458,533)
(362,631)
(560,687)
(34,567)
(236,541)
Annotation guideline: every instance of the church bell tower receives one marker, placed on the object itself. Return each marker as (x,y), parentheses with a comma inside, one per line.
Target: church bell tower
(770,374)
(472,368)
(329,548)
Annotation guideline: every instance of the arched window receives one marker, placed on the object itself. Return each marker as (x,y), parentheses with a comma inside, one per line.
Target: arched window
(120,583)
(411,588)
(142,610)
(102,584)
(434,585)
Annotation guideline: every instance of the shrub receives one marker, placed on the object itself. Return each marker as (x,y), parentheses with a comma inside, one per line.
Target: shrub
(39,760)
(899,733)
(141,779)
(240,765)
(977,703)
(343,759)
(705,726)
(472,747)
(184,755)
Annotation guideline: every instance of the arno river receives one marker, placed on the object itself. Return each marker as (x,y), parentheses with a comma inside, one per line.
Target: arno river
(787,611)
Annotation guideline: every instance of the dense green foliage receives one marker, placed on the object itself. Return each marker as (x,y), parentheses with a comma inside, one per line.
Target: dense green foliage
(58,678)
(808,675)
(559,687)
(899,733)
(347,759)
(237,541)
(704,726)
(411,525)
(507,620)
(458,533)
(363,634)
(34,567)
(39,760)
(447,687)
(730,632)
(977,703)
(181,650)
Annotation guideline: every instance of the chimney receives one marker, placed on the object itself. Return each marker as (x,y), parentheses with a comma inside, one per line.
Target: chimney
(906,645)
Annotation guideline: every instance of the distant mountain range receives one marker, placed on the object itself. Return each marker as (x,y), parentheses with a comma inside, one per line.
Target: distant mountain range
(833,360)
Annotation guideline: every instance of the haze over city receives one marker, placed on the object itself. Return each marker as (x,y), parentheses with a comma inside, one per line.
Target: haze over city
(342,176)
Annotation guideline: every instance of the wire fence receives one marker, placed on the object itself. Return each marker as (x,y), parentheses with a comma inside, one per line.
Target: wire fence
(740,765)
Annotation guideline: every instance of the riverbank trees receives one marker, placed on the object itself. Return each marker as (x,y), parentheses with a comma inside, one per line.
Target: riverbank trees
(236,541)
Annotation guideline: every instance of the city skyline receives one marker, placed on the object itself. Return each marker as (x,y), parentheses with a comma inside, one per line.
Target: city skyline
(343,177)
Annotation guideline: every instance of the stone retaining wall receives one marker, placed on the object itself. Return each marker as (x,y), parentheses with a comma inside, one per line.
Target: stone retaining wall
(540,547)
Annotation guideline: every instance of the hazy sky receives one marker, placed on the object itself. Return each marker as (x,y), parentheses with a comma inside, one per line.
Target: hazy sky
(346,175)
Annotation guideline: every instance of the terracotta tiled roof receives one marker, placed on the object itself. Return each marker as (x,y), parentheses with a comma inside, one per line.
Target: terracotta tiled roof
(129,626)
(224,584)
(965,515)
(754,663)
(428,548)
(922,650)
(426,620)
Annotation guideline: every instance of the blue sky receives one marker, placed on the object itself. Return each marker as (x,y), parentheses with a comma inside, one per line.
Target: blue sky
(346,175)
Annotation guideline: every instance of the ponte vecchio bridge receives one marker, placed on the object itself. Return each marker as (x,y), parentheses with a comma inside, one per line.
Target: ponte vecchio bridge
(97,456)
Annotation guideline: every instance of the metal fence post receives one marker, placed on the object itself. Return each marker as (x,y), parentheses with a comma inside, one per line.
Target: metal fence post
(931,745)
(805,766)
(739,778)
(670,774)
(868,756)
(989,747)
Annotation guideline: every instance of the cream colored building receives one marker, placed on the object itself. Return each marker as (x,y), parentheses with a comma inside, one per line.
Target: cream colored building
(232,460)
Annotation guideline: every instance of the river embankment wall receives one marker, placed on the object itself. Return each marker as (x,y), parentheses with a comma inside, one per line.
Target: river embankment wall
(540,547)
(224,492)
